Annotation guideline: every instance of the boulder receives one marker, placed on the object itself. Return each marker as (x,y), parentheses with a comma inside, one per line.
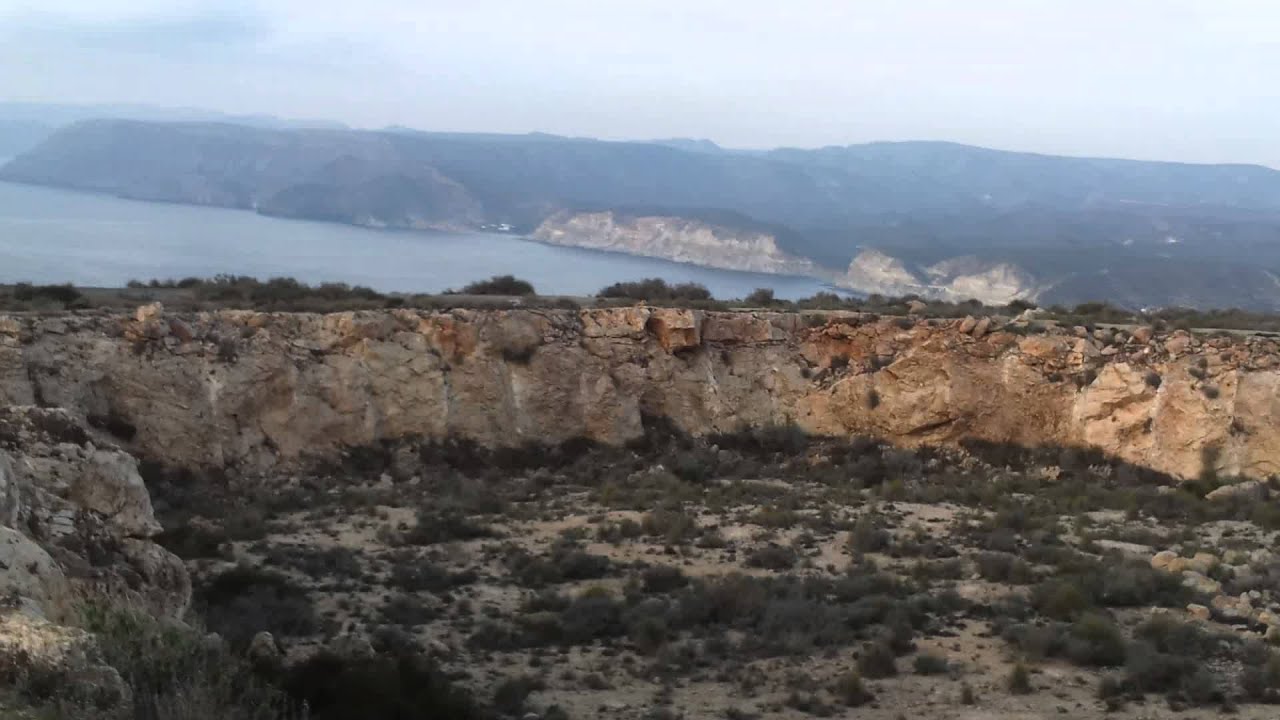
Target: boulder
(1043,348)
(1164,559)
(967,325)
(263,651)
(627,322)
(180,330)
(1142,335)
(1249,490)
(1233,608)
(1128,549)
(93,514)
(742,328)
(109,484)
(514,338)
(11,327)
(1084,350)
(981,329)
(165,586)
(676,329)
(1171,562)
(1199,612)
(29,572)
(1202,563)
(1200,583)
(147,313)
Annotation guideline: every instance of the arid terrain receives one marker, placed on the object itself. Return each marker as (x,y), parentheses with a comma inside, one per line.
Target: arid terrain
(767,575)
(634,512)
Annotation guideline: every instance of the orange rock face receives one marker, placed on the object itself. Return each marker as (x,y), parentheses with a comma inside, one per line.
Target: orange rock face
(262,390)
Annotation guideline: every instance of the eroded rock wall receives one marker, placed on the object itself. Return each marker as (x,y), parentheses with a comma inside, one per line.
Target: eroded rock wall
(255,391)
(76,537)
(675,238)
(76,521)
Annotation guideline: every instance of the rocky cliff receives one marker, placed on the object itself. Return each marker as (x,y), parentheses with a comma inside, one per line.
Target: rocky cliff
(251,392)
(675,238)
(699,242)
(76,535)
(955,279)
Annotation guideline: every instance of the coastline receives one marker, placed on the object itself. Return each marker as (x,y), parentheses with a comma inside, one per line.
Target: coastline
(764,279)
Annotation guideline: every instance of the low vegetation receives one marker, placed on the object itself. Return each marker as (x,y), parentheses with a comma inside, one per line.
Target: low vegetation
(499,285)
(26,296)
(786,572)
(289,294)
(656,290)
(173,671)
(283,294)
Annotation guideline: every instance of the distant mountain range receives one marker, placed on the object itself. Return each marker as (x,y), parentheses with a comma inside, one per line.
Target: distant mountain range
(25,125)
(933,218)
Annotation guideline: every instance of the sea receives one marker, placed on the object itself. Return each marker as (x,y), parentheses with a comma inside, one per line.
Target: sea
(56,236)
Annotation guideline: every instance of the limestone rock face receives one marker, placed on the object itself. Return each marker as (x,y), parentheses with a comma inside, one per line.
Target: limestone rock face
(75,527)
(265,391)
(674,238)
(32,575)
(77,520)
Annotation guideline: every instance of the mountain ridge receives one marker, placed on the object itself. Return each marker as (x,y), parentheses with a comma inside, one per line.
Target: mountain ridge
(1053,228)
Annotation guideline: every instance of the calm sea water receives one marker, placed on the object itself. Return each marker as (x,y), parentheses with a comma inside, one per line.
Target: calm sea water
(55,236)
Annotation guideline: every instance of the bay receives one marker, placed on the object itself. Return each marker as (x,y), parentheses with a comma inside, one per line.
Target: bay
(54,236)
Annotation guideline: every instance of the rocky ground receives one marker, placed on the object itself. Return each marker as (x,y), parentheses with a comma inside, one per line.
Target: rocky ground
(759,575)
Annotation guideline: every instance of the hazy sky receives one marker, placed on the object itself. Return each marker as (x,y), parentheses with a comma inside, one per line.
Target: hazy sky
(1165,79)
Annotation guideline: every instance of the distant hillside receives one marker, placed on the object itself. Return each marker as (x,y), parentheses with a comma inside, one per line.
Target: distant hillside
(942,218)
(18,136)
(25,125)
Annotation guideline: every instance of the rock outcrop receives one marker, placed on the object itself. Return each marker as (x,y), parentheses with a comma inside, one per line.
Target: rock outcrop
(249,391)
(680,239)
(956,279)
(58,659)
(76,529)
(77,521)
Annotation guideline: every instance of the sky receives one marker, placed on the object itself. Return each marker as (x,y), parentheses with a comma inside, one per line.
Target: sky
(1186,80)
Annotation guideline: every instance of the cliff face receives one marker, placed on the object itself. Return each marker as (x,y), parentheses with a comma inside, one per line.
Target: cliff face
(958,279)
(76,529)
(260,392)
(675,238)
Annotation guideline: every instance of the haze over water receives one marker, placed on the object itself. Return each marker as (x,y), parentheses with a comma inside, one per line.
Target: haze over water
(55,236)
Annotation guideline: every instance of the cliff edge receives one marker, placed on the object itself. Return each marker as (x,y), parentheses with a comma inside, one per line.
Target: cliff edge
(254,392)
